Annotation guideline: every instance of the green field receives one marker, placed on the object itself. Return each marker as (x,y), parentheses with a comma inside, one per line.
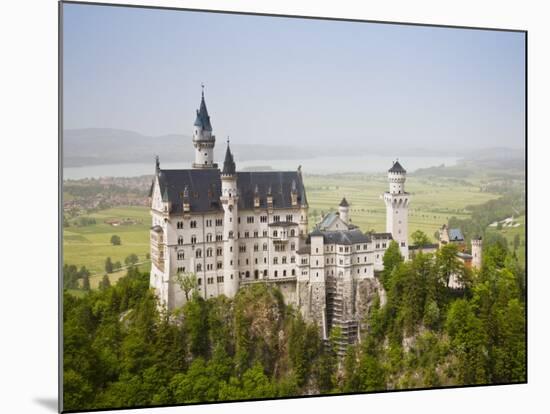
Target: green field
(90,245)
(434,201)
(510,232)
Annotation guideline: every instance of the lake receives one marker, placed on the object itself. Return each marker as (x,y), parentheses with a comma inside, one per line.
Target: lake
(319,165)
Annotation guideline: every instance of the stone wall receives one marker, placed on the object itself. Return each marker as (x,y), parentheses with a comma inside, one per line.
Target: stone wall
(367,291)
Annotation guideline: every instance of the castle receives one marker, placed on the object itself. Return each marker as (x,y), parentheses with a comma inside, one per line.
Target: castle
(235,228)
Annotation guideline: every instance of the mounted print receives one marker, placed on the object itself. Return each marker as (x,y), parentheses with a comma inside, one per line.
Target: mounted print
(260,206)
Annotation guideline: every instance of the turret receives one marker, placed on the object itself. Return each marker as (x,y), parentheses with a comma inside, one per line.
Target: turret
(397,207)
(343,210)
(230,202)
(477,252)
(203,140)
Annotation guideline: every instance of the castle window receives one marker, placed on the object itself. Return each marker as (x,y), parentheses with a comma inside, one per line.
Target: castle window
(284,272)
(402,244)
(292,259)
(219,222)
(180,225)
(242,249)
(263,219)
(264,234)
(193,239)
(316,250)
(256,260)
(219,251)
(289,217)
(219,265)
(275,273)
(198,253)
(255,234)
(276,219)
(199,267)
(341,262)
(239,220)
(181,255)
(209,266)
(265,260)
(265,272)
(250,219)
(208,223)
(274,233)
(275,260)
(180,240)
(383,245)
(256,274)
(377,245)
(193,224)
(209,252)
(284,259)
(199,281)
(231,234)
(219,237)
(209,237)
(246,234)
(292,233)
(293,272)
(255,247)
(181,269)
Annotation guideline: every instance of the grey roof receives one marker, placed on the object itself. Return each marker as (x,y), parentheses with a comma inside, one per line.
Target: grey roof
(328,220)
(340,236)
(344,203)
(203,119)
(397,168)
(204,186)
(228,164)
(424,247)
(381,235)
(455,235)
(306,249)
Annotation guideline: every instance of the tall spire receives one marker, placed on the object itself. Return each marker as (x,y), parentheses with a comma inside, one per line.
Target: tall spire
(203,119)
(229,167)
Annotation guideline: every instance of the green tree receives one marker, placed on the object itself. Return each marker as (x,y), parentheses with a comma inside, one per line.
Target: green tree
(195,315)
(105,283)
(115,240)
(108,265)
(131,260)
(86,281)
(392,258)
(419,238)
(516,242)
(187,282)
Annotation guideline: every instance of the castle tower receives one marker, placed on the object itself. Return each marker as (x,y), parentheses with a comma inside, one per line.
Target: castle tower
(397,207)
(229,200)
(477,256)
(343,210)
(203,140)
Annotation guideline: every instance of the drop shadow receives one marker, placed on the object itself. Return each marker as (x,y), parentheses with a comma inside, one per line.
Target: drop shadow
(49,403)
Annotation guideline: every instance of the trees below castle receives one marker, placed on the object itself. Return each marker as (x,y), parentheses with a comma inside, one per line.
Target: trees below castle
(119,350)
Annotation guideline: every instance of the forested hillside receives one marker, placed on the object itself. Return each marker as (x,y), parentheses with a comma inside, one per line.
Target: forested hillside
(120,351)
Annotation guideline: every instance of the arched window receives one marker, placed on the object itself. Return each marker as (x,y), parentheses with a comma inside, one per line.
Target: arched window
(209,252)
(292,233)
(265,273)
(193,239)
(209,237)
(198,253)
(264,247)
(274,233)
(181,255)
(247,274)
(180,240)
(293,272)
(180,225)
(199,267)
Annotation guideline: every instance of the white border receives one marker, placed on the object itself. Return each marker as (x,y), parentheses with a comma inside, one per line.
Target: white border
(28,302)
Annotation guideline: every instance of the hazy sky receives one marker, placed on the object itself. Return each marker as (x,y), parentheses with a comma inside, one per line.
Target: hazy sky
(291,81)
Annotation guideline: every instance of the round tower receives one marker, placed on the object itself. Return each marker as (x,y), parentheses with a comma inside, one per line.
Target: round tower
(397,207)
(203,140)
(343,210)
(477,255)
(229,200)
